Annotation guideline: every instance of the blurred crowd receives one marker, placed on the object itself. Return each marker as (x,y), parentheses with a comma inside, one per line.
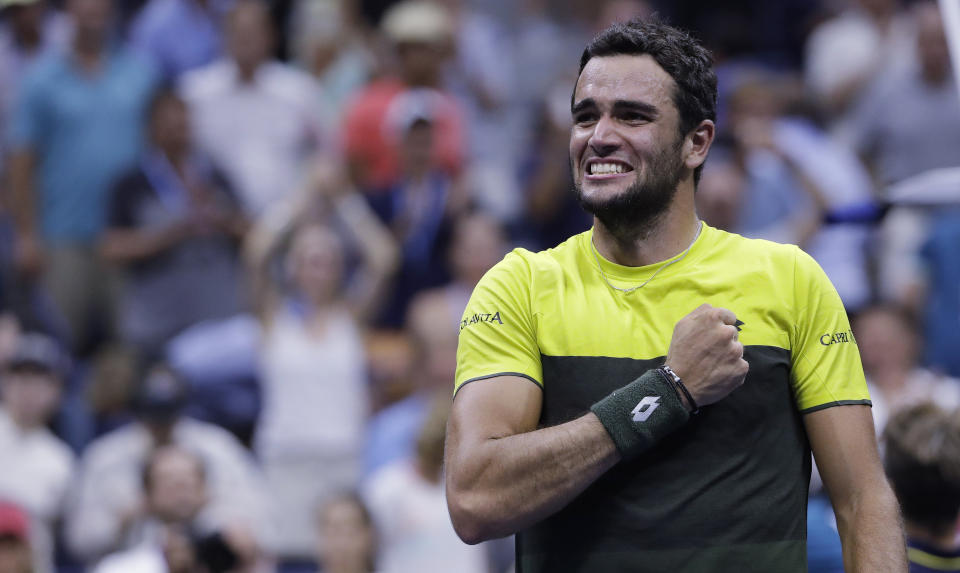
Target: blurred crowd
(237,238)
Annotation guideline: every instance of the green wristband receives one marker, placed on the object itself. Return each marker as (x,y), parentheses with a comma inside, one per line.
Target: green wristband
(641,413)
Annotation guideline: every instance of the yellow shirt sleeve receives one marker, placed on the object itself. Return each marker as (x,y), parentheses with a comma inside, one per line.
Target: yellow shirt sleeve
(497,331)
(826,360)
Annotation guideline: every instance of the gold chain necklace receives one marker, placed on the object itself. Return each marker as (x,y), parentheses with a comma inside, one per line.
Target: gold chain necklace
(640,286)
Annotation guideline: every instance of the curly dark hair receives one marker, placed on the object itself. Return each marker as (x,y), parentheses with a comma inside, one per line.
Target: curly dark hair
(678,53)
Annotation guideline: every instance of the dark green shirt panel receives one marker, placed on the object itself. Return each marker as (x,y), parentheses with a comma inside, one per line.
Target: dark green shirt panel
(736,475)
(773,557)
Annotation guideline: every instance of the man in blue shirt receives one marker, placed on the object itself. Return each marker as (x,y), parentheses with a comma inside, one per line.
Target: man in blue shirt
(76,127)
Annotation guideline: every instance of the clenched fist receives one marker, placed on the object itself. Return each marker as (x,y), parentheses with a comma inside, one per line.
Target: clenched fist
(706,354)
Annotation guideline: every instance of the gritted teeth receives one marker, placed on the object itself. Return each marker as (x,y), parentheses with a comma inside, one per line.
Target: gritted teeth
(607,168)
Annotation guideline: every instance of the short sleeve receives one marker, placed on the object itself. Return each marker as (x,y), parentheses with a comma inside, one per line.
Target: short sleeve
(826,360)
(26,126)
(497,331)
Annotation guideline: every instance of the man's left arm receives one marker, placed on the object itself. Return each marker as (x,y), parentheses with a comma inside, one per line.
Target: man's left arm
(868,515)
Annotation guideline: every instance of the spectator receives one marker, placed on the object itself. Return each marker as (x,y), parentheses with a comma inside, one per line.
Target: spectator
(420,34)
(420,210)
(14,540)
(331,47)
(478,243)
(316,398)
(179,35)
(922,460)
(407,501)
(940,255)
(109,497)
(890,344)
(77,127)
(37,466)
(175,493)
(846,53)
(392,432)
(480,74)
(29,29)
(909,121)
(347,541)
(174,228)
(909,125)
(256,118)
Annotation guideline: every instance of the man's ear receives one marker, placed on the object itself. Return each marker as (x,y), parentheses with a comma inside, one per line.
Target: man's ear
(697,144)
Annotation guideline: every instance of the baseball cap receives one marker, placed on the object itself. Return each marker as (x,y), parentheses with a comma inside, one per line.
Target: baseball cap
(38,351)
(161,396)
(417,21)
(13,521)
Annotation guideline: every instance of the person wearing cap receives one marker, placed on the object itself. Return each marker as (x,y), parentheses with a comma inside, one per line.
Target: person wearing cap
(420,33)
(109,495)
(37,466)
(14,540)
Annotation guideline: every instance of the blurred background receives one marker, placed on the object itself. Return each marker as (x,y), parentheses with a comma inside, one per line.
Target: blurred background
(237,238)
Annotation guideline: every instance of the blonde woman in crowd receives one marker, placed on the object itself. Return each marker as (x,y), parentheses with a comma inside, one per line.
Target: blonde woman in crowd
(315,394)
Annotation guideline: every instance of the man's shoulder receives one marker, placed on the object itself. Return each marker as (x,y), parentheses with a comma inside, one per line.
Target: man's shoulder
(209,440)
(121,446)
(749,254)
(47,70)
(547,260)
(207,82)
(57,451)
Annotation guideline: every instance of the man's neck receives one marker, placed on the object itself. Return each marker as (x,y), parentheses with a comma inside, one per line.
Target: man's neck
(23,425)
(670,235)
(178,159)
(247,73)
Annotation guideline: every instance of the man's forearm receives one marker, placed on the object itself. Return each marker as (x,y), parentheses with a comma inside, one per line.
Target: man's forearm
(506,484)
(21,191)
(872,534)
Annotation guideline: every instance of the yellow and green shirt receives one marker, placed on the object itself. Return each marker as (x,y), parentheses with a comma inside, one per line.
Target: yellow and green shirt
(728,491)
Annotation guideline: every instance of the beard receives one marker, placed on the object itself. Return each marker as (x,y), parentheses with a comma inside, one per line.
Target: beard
(632,214)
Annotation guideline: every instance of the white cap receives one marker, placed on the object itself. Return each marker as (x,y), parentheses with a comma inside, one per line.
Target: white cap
(417,21)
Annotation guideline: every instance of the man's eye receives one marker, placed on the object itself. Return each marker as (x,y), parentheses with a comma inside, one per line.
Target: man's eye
(634,117)
(584,118)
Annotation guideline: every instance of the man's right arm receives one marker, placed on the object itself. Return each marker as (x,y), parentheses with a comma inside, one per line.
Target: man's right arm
(502,473)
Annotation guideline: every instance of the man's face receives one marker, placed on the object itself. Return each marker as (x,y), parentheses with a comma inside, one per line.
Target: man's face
(171,125)
(625,148)
(177,491)
(30,395)
(249,35)
(91,17)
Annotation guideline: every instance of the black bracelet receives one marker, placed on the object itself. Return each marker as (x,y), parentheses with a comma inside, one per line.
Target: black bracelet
(677,383)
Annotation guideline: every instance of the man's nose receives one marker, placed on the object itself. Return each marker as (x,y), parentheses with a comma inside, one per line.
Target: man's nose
(604,139)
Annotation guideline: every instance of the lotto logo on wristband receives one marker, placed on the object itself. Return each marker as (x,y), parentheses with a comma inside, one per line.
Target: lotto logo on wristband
(645,408)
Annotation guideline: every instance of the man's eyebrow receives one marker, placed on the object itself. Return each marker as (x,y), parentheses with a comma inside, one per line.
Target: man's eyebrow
(582,105)
(619,106)
(647,109)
